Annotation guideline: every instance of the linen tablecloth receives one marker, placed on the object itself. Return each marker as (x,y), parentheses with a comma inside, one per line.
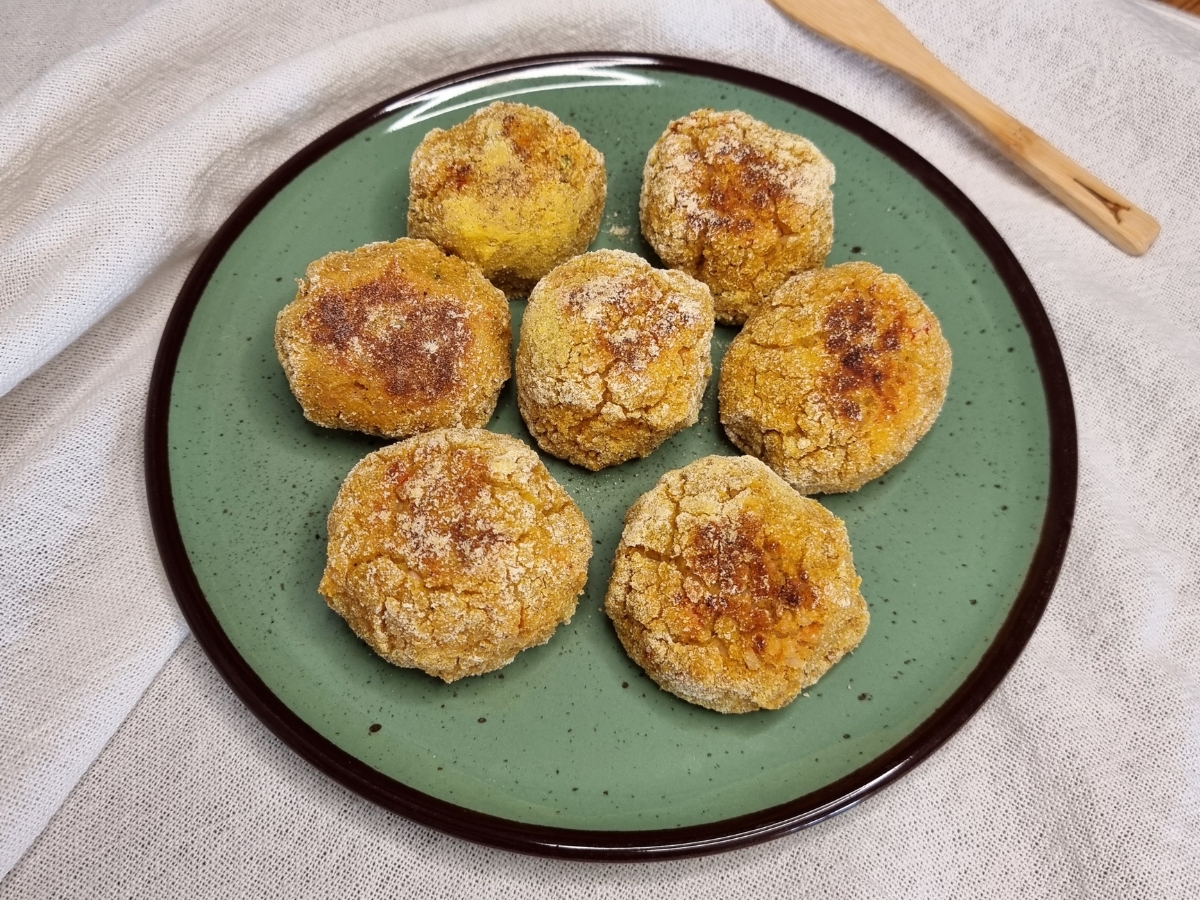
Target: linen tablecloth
(130,129)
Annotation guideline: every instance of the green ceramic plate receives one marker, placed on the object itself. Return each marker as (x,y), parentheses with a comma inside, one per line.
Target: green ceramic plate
(571,750)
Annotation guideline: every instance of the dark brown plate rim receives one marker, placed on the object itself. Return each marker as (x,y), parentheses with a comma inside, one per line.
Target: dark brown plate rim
(694,840)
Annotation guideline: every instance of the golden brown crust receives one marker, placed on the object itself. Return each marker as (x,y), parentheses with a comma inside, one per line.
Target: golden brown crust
(512,189)
(395,339)
(731,590)
(453,551)
(614,357)
(836,379)
(737,204)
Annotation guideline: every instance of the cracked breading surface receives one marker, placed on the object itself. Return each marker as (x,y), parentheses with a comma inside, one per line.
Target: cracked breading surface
(394,339)
(731,590)
(836,378)
(512,189)
(453,551)
(614,357)
(738,204)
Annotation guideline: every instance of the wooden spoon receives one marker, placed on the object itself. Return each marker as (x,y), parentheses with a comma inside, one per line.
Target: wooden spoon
(866,26)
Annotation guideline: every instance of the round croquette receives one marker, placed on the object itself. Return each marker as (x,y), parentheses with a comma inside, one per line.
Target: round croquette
(614,357)
(394,339)
(453,551)
(836,378)
(731,590)
(512,189)
(737,204)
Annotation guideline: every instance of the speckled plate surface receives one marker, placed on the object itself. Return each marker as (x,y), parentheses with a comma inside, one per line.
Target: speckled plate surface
(571,750)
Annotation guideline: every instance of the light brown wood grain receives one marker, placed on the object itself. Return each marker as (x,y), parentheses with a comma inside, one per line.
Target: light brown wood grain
(1192,6)
(866,26)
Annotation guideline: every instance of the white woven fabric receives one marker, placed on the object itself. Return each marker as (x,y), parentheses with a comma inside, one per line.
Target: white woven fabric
(123,147)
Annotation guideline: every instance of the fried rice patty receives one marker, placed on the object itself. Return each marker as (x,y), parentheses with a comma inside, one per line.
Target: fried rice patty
(731,590)
(394,339)
(738,204)
(512,189)
(614,357)
(453,551)
(836,378)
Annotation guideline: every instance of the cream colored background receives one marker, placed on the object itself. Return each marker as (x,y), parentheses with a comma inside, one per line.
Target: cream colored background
(130,129)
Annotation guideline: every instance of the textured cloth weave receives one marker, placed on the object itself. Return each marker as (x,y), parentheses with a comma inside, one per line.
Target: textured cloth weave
(130,130)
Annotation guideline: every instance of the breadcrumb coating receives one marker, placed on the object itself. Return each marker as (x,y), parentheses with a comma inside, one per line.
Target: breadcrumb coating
(393,339)
(512,189)
(614,357)
(738,204)
(836,379)
(731,590)
(453,551)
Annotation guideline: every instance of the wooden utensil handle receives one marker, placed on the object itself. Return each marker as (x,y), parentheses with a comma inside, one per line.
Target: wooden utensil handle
(869,28)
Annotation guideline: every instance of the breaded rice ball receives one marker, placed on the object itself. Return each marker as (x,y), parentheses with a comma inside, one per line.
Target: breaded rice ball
(614,357)
(836,378)
(395,339)
(731,590)
(512,189)
(738,204)
(453,551)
